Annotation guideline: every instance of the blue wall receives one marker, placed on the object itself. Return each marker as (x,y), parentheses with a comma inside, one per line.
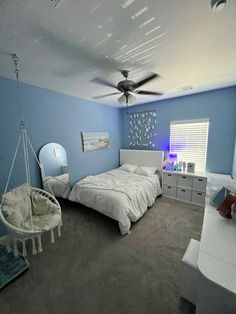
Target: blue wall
(219,106)
(55,117)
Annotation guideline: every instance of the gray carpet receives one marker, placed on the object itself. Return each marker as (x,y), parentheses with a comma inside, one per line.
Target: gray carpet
(92,269)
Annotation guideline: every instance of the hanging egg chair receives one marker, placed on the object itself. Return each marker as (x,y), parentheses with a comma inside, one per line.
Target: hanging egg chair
(27,212)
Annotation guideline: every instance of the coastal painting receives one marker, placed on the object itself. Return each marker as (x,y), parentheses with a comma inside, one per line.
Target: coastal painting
(95,140)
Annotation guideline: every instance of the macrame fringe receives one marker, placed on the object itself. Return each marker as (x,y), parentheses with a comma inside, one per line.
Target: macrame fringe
(59,230)
(52,236)
(9,250)
(34,251)
(24,251)
(36,243)
(40,248)
(15,249)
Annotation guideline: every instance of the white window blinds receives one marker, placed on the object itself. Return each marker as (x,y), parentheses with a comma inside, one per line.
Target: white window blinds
(189,140)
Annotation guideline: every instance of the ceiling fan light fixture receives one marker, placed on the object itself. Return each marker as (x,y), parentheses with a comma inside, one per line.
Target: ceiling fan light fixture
(218,5)
(131,99)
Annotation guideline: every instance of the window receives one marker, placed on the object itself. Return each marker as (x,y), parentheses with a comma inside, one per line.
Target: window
(189,140)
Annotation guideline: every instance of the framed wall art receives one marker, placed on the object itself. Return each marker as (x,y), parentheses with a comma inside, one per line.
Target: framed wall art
(95,140)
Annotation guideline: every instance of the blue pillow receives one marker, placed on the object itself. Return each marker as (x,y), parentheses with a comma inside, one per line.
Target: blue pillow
(220,196)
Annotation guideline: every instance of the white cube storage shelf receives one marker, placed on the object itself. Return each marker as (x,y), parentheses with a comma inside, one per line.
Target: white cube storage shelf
(169,190)
(185,186)
(184,194)
(199,184)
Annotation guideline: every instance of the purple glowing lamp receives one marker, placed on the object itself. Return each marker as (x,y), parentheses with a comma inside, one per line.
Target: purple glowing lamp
(173,156)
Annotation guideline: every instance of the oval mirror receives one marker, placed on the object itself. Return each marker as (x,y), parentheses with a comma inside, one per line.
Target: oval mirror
(54,169)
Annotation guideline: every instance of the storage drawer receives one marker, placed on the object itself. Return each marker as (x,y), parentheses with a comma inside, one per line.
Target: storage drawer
(199,184)
(185,181)
(169,190)
(184,194)
(198,197)
(170,178)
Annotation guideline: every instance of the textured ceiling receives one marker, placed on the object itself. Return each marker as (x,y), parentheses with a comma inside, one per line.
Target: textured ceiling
(63,48)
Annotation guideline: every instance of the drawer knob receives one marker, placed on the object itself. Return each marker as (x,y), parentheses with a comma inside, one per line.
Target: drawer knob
(200,180)
(169,187)
(183,190)
(199,193)
(169,175)
(184,177)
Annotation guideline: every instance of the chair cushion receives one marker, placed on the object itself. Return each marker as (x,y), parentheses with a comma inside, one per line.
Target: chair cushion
(43,222)
(13,216)
(41,205)
(17,205)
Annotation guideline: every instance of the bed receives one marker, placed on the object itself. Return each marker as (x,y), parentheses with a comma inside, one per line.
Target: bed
(119,194)
(59,185)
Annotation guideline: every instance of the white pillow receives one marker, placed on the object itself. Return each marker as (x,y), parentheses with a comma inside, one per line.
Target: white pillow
(128,168)
(41,205)
(146,171)
(18,200)
(13,216)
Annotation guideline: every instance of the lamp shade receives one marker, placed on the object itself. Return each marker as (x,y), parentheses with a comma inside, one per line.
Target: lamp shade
(126,99)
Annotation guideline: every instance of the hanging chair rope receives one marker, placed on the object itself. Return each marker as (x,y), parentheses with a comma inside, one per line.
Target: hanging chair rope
(38,162)
(12,165)
(34,231)
(26,155)
(17,71)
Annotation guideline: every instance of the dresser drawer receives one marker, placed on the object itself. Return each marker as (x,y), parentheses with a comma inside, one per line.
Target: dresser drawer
(198,197)
(170,178)
(184,194)
(184,181)
(169,190)
(199,184)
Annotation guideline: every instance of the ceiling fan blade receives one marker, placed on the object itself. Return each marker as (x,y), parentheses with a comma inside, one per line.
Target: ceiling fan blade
(145,92)
(102,81)
(105,95)
(146,79)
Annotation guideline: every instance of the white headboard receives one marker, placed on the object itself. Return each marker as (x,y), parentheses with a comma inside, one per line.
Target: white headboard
(146,158)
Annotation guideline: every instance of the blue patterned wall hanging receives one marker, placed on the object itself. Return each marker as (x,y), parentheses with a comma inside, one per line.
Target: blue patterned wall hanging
(142,129)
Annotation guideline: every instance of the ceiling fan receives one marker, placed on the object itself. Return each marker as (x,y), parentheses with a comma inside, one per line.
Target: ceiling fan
(127,87)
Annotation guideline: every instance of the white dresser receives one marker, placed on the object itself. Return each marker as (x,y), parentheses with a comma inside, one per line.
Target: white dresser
(185,186)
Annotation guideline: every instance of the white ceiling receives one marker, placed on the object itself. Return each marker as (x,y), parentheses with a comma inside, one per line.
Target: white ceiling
(63,48)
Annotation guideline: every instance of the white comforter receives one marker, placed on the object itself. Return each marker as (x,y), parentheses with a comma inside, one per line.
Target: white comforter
(60,185)
(121,195)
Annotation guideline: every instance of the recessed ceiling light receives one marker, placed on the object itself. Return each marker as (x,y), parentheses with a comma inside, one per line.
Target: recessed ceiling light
(218,5)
